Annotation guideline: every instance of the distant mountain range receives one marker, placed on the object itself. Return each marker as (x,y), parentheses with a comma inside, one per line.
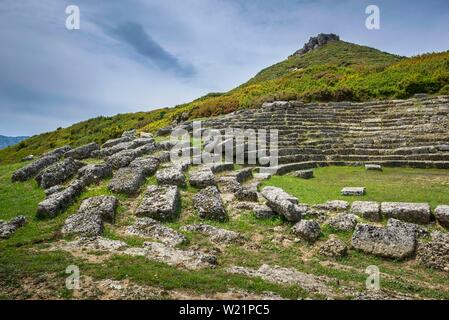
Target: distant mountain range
(8,141)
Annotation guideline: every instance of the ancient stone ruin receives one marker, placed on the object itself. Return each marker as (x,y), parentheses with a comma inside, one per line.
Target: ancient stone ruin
(136,172)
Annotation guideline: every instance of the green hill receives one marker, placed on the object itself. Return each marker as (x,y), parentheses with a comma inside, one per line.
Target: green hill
(336,71)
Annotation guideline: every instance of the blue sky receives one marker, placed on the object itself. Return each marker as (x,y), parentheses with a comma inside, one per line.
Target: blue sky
(138,55)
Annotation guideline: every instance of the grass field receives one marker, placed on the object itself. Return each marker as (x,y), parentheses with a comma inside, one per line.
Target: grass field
(393,184)
(23,256)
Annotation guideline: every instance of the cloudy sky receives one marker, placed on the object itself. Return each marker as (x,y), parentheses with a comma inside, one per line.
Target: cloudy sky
(142,54)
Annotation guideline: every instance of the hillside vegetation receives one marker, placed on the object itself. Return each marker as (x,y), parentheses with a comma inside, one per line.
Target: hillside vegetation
(337,71)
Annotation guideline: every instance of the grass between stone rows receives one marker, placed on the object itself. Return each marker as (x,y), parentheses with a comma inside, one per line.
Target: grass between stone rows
(21,257)
(392,184)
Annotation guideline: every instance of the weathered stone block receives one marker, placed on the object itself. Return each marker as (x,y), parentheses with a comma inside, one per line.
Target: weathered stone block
(353,191)
(308,230)
(304,174)
(127,180)
(409,212)
(202,178)
(442,215)
(369,210)
(148,227)
(59,201)
(160,203)
(386,242)
(217,235)
(283,203)
(94,173)
(172,175)
(58,173)
(373,167)
(8,228)
(82,152)
(209,204)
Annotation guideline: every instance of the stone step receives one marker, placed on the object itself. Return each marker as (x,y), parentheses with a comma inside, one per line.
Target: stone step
(289,167)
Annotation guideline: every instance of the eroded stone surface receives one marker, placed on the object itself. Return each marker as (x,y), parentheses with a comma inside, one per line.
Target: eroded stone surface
(435,254)
(353,191)
(217,235)
(8,228)
(263,212)
(172,175)
(209,204)
(369,210)
(304,174)
(160,203)
(89,219)
(229,184)
(202,178)
(283,203)
(59,201)
(54,189)
(148,227)
(343,222)
(94,173)
(386,242)
(109,151)
(287,276)
(58,173)
(242,174)
(220,167)
(409,227)
(409,212)
(334,205)
(82,152)
(333,248)
(245,194)
(442,215)
(189,259)
(308,230)
(30,170)
(127,180)
(148,164)
(104,206)
(83,224)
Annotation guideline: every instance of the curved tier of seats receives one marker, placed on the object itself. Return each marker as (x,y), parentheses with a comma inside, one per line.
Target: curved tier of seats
(412,132)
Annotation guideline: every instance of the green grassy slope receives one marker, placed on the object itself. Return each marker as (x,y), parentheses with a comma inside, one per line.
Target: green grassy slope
(335,72)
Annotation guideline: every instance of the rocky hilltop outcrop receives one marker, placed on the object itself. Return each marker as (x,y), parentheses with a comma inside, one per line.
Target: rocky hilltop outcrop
(316,42)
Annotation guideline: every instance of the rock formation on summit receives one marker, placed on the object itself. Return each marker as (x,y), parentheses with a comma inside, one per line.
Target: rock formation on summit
(316,42)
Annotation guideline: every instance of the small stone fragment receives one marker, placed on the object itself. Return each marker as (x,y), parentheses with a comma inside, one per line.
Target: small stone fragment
(333,248)
(263,212)
(353,191)
(304,174)
(373,167)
